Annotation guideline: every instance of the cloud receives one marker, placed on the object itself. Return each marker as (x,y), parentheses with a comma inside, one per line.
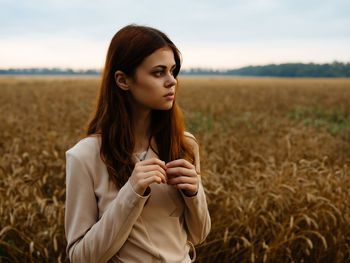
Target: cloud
(53,52)
(185,19)
(236,55)
(85,27)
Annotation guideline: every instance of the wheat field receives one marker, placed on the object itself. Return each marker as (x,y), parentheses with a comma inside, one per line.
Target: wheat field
(275,157)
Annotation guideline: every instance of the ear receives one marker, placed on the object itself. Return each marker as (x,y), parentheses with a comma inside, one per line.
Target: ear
(121,80)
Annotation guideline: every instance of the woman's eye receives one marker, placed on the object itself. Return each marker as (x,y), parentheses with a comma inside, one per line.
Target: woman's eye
(161,72)
(158,73)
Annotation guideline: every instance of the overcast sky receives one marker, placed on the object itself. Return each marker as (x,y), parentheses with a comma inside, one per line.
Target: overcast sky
(210,34)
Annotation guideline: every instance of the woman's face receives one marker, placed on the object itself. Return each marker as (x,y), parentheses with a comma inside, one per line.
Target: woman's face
(153,80)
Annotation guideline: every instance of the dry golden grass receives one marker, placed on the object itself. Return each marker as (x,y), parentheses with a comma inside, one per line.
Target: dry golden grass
(275,163)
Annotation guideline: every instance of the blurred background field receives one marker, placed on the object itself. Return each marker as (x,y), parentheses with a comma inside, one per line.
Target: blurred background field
(275,157)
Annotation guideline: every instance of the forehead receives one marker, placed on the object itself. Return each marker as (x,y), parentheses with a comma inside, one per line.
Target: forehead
(163,56)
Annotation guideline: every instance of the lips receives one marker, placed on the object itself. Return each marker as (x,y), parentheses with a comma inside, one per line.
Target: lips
(169,94)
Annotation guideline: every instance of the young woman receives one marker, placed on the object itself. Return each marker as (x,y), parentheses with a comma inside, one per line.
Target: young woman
(133,185)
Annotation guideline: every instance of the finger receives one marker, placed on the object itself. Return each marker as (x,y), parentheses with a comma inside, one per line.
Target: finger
(153,161)
(183,179)
(155,173)
(178,171)
(153,167)
(180,162)
(151,179)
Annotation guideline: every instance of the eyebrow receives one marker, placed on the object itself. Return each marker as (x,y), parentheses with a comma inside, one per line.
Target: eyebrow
(164,67)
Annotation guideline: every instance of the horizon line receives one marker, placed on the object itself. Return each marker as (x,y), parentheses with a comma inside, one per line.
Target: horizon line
(184,68)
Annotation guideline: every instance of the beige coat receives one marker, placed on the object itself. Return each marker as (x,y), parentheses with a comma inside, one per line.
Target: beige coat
(103,224)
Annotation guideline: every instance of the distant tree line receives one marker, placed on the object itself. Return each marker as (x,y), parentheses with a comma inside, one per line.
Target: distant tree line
(335,69)
(47,71)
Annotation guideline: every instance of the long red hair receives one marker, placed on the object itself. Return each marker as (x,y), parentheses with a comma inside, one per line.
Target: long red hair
(112,118)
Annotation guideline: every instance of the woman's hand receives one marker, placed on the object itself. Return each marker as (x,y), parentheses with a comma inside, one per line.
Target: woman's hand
(183,175)
(147,172)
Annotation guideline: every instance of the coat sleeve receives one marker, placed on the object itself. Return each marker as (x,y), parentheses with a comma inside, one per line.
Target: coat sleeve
(196,212)
(90,239)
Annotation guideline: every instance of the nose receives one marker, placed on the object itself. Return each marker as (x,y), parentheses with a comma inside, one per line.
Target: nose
(171,81)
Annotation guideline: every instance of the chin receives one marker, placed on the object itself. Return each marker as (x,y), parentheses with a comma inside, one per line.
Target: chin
(166,107)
